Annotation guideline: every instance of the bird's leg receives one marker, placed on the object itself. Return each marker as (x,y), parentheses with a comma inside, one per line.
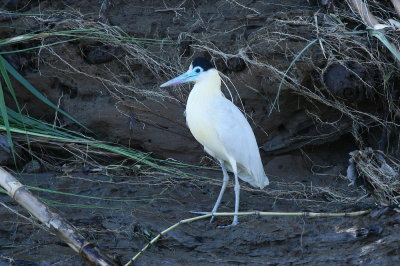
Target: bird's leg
(237,194)
(221,193)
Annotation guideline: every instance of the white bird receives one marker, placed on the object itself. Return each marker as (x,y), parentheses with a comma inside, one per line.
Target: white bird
(221,128)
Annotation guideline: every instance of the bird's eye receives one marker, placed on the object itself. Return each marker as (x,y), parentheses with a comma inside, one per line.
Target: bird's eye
(198,70)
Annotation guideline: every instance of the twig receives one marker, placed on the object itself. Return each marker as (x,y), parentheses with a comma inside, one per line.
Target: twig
(53,221)
(363,11)
(245,7)
(396,4)
(170,9)
(22,216)
(257,213)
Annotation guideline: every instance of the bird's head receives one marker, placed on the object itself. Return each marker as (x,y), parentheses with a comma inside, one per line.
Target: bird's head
(199,67)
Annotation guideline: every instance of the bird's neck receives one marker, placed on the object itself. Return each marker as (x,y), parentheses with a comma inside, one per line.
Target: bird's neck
(208,86)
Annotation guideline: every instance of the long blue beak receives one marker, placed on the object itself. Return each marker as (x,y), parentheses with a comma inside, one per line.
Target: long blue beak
(185,77)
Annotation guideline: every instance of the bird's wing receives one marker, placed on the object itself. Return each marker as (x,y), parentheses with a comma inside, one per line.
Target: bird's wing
(239,141)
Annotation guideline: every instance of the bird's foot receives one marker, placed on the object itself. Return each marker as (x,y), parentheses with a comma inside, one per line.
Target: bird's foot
(234,223)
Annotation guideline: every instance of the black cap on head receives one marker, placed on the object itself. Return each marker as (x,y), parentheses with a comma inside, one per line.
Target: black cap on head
(202,62)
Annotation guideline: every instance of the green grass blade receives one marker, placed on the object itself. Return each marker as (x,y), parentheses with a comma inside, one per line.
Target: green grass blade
(4,115)
(287,71)
(36,47)
(80,206)
(33,124)
(112,199)
(7,80)
(35,92)
(380,36)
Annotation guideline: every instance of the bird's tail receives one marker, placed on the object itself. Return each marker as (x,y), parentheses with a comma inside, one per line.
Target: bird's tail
(263,181)
(258,179)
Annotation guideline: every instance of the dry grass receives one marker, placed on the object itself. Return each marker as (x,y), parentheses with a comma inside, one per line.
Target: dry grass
(322,41)
(378,174)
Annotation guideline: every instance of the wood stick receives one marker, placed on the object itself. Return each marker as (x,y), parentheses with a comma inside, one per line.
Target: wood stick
(53,221)
(257,213)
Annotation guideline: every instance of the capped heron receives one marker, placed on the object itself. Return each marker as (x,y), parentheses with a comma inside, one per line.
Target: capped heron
(221,128)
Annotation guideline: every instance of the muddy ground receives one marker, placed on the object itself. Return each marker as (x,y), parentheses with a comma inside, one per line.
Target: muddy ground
(151,204)
(305,158)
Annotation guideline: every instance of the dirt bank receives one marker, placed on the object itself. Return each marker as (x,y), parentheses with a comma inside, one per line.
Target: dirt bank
(112,87)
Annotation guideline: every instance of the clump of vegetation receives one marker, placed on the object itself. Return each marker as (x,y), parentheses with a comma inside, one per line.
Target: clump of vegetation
(378,174)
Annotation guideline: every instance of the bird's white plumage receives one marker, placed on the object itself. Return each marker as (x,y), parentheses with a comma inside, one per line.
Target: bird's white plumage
(223,130)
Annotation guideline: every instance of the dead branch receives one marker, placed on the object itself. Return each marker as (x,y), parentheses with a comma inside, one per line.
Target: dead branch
(205,215)
(53,221)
